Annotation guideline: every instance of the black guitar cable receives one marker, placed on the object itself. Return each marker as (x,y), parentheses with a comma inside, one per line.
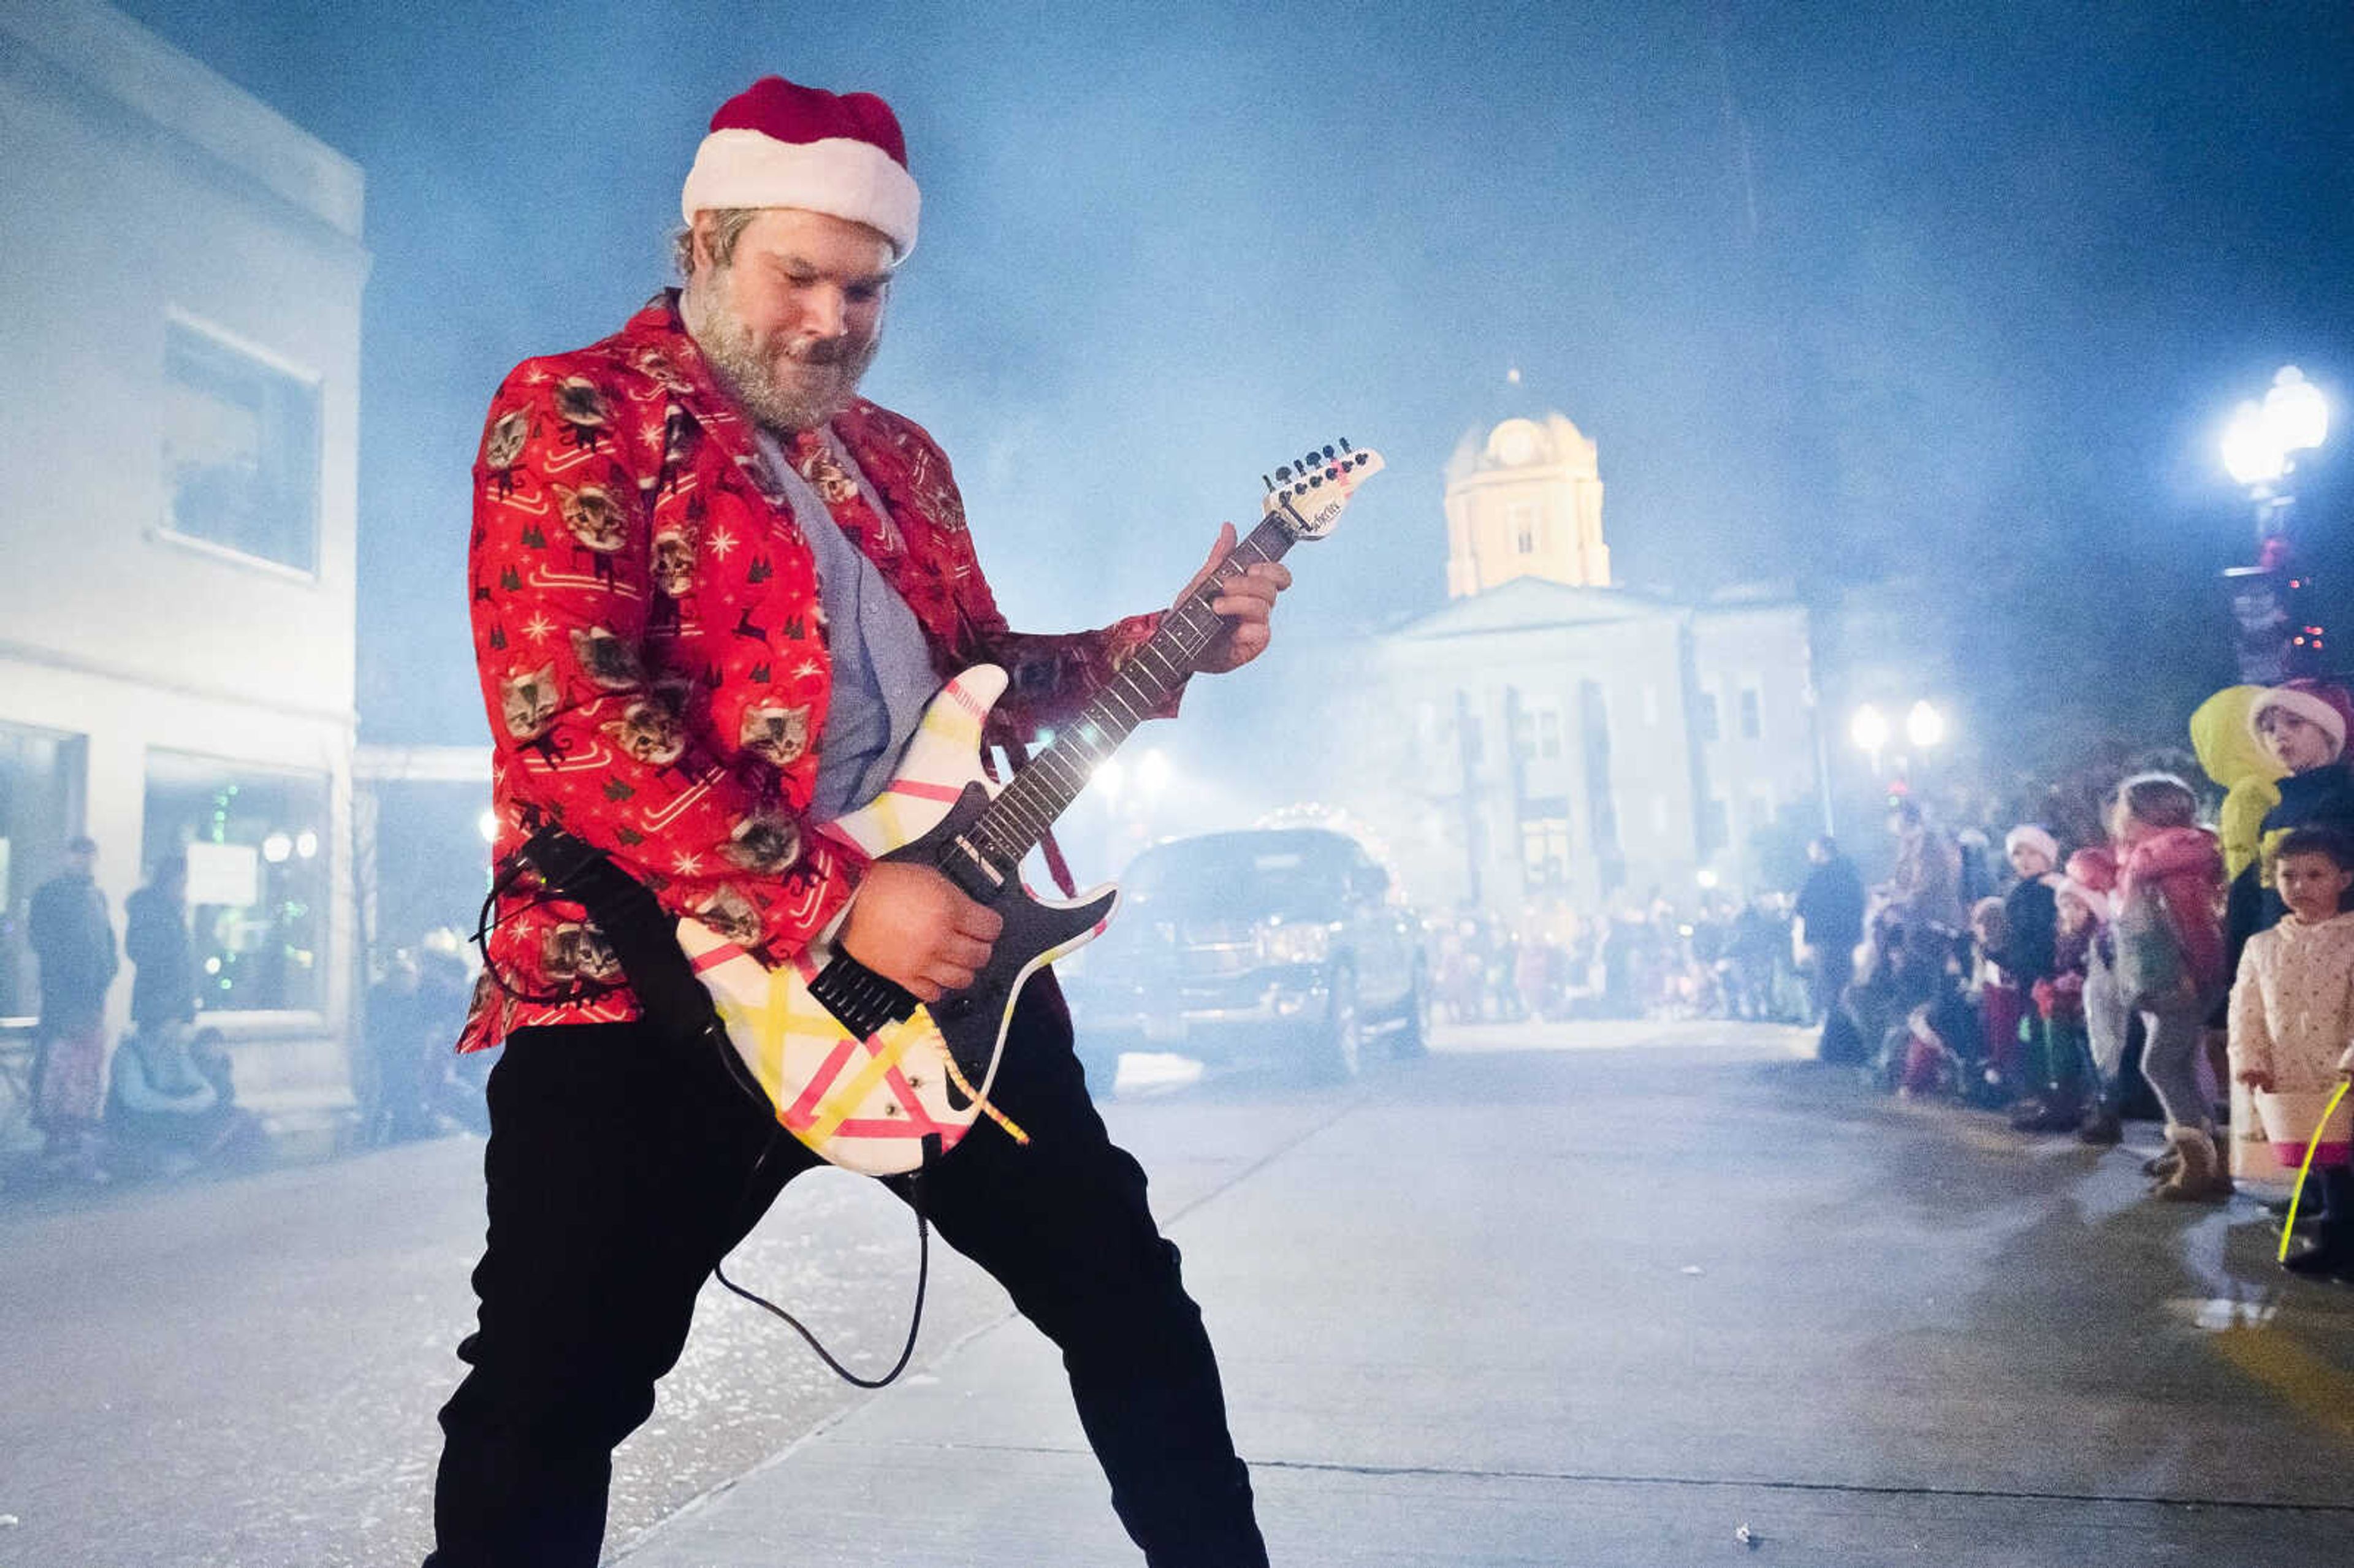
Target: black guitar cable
(923,1273)
(644,943)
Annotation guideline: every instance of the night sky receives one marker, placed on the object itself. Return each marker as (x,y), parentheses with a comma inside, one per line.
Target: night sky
(1960,294)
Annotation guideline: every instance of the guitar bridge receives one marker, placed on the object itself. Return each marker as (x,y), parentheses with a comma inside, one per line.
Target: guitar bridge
(860,999)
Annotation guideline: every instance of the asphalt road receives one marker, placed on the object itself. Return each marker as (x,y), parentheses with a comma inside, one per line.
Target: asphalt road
(1574,1295)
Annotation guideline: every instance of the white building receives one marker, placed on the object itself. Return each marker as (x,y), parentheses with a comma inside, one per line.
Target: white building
(1548,739)
(180,318)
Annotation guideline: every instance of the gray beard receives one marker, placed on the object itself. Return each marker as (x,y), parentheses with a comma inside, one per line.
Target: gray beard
(743,371)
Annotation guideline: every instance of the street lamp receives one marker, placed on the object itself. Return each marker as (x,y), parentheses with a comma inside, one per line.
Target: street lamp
(1869,730)
(2260,444)
(1925,727)
(2272,638)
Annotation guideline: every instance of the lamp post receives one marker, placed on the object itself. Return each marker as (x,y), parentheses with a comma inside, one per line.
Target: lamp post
(1869,730)
(1924,731)
(2259,451)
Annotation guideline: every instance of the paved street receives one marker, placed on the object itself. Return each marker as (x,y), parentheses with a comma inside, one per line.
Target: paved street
(1599,1295)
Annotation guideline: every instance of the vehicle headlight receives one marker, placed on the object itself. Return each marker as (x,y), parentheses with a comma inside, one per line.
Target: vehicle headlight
(1305,943)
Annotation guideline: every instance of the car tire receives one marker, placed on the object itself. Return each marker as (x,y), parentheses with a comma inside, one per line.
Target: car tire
(1413,1039)
(1336,1050)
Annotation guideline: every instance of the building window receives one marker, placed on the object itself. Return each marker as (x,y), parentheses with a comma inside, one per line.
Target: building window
(1761,807)
(40,808)
(1715,824)
(1522,516)
(1544,844)
(1704,719)
(1753,713)
(241,450)
(256,842)
(1539,727)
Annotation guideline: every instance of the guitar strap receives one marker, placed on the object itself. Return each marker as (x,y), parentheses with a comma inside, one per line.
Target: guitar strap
(644,939)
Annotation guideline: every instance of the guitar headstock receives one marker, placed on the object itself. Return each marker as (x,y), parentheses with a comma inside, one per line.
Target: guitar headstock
(1307,494)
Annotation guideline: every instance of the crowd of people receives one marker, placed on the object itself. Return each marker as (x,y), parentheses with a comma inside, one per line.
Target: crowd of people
(2169,954)
(1732,960)
(164,1099)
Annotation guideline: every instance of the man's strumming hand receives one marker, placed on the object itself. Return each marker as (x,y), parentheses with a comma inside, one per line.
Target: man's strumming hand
(911,925)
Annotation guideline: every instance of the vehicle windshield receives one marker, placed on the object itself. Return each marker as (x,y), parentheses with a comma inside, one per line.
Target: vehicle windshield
(1255,879)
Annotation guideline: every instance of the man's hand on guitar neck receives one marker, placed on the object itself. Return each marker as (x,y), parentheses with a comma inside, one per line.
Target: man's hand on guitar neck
(1245,600)
(911,925)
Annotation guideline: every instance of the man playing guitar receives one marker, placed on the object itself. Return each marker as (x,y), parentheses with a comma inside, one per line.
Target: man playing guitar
(713,588)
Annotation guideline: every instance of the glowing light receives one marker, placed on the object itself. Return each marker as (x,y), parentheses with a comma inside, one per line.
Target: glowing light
(1869,728)
(212,966)
(306,844)
(2252,453)
(2296,412)
(1925,727)
(276,848)
(1111,774)
(1152,771)
(1707,876)
(487,824)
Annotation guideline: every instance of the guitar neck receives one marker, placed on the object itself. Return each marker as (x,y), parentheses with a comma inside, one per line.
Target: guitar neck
(1043,789)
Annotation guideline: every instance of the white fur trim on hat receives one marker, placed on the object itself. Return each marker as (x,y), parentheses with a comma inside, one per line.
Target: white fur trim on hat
(2305,706)
(2069,887)
(2033,837)
(840,175)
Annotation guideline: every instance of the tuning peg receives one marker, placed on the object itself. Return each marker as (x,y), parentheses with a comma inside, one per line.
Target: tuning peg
(1328,454)
(1283,476)
(1266,482)
(1344,443)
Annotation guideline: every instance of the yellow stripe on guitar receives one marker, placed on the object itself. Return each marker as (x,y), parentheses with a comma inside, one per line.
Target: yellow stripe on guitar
(889,1044)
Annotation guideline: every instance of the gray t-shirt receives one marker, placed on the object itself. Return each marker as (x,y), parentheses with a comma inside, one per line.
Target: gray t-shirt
(882,670)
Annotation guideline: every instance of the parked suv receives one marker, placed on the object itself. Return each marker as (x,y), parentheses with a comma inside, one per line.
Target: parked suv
(1280,943)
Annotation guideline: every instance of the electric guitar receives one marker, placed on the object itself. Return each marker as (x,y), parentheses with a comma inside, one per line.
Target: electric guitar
(855,1066)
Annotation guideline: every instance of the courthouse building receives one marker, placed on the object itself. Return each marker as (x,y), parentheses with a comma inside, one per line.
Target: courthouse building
(180,318)
(1548,736)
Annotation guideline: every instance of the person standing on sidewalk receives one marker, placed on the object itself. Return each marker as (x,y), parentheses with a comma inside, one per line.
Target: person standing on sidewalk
(1831,924)
(73,937)
(713,590)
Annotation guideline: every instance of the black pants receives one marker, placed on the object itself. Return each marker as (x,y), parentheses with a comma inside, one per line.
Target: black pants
(618,1177)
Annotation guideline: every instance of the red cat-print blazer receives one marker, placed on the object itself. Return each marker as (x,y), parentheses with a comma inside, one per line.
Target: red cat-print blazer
(652,649)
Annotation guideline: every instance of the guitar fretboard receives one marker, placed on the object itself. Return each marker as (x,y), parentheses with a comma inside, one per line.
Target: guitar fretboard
(1042,791)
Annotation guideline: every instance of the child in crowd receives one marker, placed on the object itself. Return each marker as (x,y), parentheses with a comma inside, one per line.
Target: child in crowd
(2030,914)
(2108,1021)
(2060,995)
(2293,1017)
(2001,1003)
(2303,725)
(2169,963)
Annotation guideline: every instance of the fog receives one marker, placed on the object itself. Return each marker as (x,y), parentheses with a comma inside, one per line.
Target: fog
(1962,293)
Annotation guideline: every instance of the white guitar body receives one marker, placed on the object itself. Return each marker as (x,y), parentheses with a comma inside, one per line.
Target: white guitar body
(868,1102)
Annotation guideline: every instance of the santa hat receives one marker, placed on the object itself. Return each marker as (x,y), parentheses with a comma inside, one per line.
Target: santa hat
(2315,702)
(2069,887)
(2034,838)
(780,144)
